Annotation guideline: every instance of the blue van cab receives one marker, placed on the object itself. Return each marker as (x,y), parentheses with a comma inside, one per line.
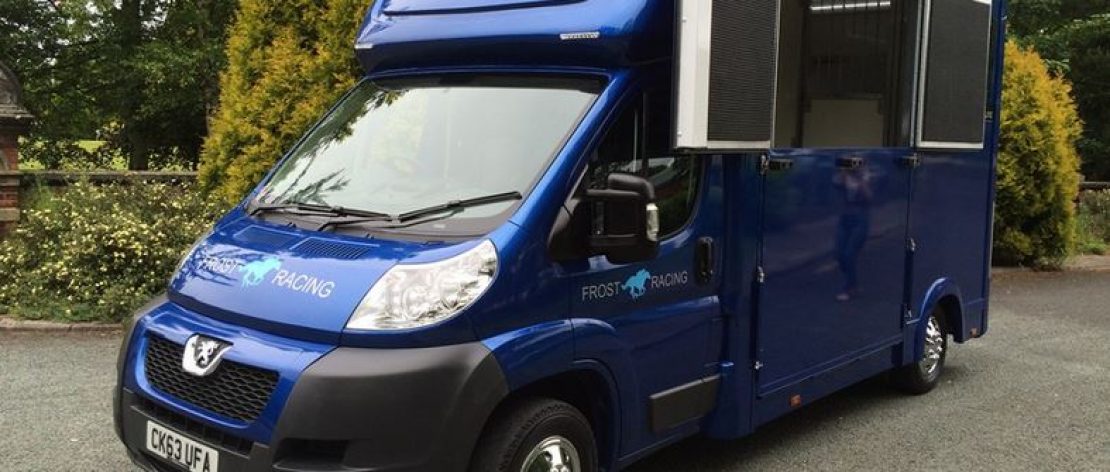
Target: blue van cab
(558,235)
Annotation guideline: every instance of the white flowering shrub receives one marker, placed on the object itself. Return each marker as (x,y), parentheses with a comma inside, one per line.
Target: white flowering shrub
(95,253)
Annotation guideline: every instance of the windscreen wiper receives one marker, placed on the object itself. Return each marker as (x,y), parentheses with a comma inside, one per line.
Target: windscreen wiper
(317,209)
(407,219)
(455,205)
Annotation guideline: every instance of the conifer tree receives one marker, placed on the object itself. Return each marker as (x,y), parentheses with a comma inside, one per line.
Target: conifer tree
(1038,167)
(288,60)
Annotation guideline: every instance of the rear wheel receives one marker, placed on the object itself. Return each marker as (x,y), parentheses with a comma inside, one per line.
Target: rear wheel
(923,376)
(537,435)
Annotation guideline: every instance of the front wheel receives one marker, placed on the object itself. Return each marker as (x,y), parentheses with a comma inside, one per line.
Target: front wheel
(923,376)
(537,435)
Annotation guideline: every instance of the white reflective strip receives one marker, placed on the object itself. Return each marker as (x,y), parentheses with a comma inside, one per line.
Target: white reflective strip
(923,72)
(952,145)
(850,7)
(694,54)
(738,145)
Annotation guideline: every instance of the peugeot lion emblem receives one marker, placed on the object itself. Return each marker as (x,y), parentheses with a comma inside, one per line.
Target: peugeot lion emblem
(202,355)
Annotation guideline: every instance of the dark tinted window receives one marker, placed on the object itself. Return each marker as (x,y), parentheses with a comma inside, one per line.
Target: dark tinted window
(638,143)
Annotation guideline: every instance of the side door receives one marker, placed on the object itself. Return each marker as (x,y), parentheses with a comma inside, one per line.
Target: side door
(837,190)
(834,261)
(662,314)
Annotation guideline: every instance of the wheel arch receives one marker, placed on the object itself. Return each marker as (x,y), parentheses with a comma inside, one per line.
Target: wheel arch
(587,386)
(943,294)
(540,361)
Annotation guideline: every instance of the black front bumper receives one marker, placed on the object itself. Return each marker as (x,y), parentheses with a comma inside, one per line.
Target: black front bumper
(403,410)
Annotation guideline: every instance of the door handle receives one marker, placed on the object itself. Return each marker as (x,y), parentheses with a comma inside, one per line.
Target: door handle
(768,164)
(912,161)
(706,260)
(849,162)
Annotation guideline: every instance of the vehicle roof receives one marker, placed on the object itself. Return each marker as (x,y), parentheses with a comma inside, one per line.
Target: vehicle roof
(605,34)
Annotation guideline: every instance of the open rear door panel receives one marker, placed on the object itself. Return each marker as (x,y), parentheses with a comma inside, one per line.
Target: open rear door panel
(726,73)
(954,66)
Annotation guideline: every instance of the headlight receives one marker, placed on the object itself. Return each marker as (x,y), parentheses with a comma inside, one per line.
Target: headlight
(415,295)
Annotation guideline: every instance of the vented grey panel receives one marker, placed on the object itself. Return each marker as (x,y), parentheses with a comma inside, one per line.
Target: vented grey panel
(256,235)
(954,85)
(742,70)
(727,61)
(315,247)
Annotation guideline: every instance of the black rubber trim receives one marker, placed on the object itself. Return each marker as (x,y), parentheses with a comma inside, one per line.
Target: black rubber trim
(380,410)
(398,409)
(678,405)
(135,417)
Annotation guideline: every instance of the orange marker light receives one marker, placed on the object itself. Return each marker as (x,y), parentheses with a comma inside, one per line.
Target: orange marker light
(795,401)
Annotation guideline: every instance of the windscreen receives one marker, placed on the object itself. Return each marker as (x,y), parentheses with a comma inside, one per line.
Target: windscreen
(403,145)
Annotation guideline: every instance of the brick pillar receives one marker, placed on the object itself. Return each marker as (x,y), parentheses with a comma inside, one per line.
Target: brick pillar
(9,150)
(9,179)
(14,122)
(9,200)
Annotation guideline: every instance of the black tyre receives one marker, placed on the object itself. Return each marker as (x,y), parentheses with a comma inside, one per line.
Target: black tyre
(923,376)
(537,435)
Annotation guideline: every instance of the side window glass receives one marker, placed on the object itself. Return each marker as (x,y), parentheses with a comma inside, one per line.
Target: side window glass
(676,186)
(638,143)
(618,151)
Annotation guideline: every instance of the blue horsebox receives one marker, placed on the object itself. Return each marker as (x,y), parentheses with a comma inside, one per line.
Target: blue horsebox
(559,235)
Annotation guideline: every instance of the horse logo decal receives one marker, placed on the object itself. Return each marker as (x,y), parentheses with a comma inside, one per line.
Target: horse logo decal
(637,284)
(255,272)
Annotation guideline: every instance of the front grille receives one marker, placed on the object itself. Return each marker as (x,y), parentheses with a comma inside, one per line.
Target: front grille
(182,424)
(234,390)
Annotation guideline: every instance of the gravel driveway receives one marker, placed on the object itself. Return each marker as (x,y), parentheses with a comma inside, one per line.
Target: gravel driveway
(1032,395)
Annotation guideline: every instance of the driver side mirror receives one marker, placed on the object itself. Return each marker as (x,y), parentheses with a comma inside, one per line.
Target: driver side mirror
(620,222)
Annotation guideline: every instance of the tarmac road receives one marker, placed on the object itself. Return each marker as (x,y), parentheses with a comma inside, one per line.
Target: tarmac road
(1034,394)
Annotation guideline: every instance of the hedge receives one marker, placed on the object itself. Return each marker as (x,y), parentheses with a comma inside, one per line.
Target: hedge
(97,252)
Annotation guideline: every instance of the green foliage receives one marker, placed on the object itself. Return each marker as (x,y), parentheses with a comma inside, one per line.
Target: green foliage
(287,62)
(1094,222)
(1029,18)
(139,74)
(1089,60)
(1037,165)
(1073,36)
(65,154)
(46,44)
(95,253)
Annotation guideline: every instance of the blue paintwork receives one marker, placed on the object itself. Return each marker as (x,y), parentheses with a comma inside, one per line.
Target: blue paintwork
(534,318)
(812,240)
(236,242)
(659,339)
(534,352)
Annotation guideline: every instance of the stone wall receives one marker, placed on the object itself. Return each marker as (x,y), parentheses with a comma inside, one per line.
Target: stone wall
(12,181)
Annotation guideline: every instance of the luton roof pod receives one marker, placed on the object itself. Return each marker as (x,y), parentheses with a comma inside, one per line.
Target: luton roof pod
(600,34)
(727,67)
(726,55)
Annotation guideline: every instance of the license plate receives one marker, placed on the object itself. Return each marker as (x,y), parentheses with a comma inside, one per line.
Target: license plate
(179,449)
